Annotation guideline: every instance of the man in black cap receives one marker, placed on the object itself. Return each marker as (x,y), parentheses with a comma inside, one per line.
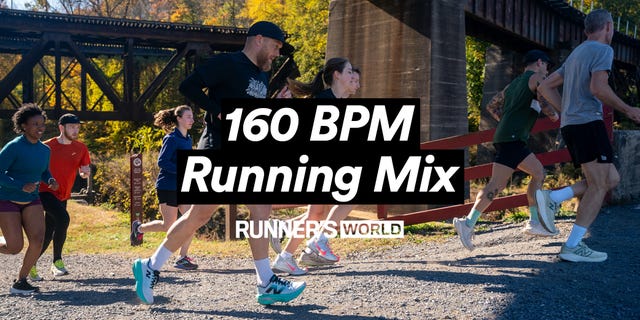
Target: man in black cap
(241,74)
(68,157)
(516,109)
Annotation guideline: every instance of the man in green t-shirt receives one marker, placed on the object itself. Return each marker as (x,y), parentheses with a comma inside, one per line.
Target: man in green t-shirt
(517,110)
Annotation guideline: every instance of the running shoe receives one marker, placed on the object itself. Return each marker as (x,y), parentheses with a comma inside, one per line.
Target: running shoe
(275,241)
(33,274)
(287,265)
(279,290)
(22,287)
(581,253)
(312,259)
(135,236)
(146,279)
(185,263)
(536,229)
(547,209)
(320,246)
(58,269)
(465,232)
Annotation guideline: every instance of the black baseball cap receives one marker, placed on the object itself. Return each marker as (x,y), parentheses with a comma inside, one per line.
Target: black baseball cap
(534,55)
(270,30)
(68,118)
(266,29)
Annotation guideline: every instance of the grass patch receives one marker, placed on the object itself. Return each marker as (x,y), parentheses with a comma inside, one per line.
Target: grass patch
(98,230)
(516,216)
(105,231)
(430,228)
(101,230)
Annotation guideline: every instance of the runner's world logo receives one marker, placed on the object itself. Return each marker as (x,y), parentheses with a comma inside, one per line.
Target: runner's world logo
(364,229)
(370,229)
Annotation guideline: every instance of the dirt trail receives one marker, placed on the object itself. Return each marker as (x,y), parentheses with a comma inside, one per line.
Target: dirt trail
(509,276)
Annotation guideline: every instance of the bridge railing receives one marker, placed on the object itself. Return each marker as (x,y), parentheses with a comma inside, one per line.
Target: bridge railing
(626,27)
(483,171)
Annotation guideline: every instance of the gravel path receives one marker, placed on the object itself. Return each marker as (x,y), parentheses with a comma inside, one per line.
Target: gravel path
(509,276)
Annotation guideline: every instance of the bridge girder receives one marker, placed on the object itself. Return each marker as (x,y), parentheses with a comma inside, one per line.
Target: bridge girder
(34,35)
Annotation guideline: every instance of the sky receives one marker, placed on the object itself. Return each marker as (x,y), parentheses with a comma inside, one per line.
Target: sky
(17,4)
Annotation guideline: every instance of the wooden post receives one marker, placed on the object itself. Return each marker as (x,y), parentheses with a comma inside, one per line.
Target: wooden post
(230,222)
(382,211)
(136,191)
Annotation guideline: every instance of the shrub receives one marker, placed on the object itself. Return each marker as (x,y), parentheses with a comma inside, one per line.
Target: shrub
(112,183)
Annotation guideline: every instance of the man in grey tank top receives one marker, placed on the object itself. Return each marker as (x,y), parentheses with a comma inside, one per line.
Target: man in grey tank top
(584,80)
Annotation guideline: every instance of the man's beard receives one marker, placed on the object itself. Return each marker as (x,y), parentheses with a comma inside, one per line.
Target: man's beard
(263,61)
(69,137)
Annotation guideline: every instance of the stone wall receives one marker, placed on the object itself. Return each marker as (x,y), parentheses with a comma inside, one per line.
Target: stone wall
(626,146)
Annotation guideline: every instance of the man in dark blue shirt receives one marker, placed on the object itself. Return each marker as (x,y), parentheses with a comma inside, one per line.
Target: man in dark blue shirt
(240,74)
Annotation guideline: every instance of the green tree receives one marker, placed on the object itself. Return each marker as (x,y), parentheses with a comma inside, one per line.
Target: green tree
(306,24)
(187,11)
(225,13)
(475,53)
(625,10)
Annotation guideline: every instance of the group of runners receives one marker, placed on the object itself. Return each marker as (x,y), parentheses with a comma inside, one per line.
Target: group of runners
(27,167)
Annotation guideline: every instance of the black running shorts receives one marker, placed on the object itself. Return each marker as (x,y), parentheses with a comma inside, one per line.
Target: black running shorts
(511,153)
(587,142)
(170,197)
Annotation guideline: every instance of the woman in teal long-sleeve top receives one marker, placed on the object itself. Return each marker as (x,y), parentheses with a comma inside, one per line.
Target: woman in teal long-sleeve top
(24,162)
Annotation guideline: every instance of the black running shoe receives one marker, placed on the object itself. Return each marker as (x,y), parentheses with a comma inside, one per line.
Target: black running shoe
(185,263)
(22,287)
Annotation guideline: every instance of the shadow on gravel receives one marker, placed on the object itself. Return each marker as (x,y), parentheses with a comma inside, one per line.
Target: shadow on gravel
(607,290)
(123,282)
(280,312)
(116,291)
(550,288)
(88,298)
(224,271)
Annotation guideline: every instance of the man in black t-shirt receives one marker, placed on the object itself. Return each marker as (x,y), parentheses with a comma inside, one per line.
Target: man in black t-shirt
(226,75)
(240,74)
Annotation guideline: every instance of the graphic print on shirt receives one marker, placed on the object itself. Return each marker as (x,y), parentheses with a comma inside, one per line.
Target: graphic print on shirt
(257,89)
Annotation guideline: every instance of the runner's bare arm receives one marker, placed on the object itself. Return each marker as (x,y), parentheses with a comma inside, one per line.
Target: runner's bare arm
(496,105)
(548,89)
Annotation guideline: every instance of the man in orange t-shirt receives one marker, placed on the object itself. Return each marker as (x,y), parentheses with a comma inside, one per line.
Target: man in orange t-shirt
(68,156)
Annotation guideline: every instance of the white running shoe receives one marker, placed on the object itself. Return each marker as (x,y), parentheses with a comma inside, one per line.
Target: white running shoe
(287,265)
(33,274)
(58,269)
(581,253)
(275,242)
(146,278)
(547,209)
(279,290)
(320,246)
(536,229)
(465,232)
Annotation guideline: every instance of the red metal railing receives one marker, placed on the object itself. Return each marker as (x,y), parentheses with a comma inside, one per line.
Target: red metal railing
(470,173)
(484,170)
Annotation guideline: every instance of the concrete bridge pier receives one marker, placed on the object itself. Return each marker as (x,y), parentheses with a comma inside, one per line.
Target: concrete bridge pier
(407,49)
(501,67)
